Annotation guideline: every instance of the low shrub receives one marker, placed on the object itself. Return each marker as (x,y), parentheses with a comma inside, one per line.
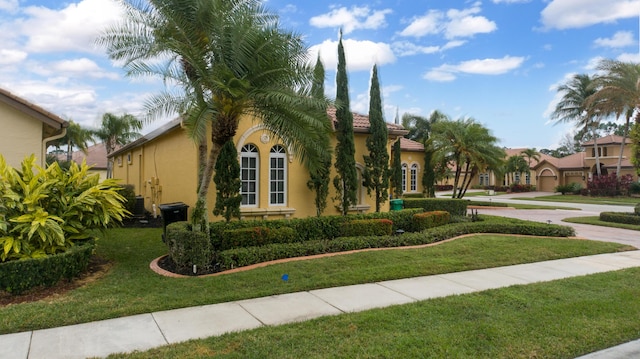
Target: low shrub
(519,188)
(311,228)
(431,219)
(572,188)
(488,203)
(239,257)
(413,195)
(636,209)
(620,217)
(129,194)
(21,275)
(456,207)
(256,236)
(444,187)
(190,250)
(366,227)
(634,188)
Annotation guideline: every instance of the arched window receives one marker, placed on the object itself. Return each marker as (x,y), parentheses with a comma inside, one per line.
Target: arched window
(414,178)
(404,177)
(277,176)
(249,175)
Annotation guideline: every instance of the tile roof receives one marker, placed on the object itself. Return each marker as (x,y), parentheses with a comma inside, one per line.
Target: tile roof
(35,111)
(96,156)
(410,145)
(361,123)
(608,140)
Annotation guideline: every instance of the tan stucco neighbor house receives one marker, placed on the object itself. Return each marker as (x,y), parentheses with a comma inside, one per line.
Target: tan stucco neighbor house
(95,156)
(162,168)
(27,128)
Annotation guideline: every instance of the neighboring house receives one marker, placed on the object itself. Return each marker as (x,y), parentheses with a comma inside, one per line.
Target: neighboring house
(550,172)
(96,157)
(162,167)
(27,128)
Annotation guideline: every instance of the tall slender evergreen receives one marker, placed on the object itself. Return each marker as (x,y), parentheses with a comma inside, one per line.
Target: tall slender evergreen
(320,177)
(396,170)
(376,173)
(346,182)
(227,180)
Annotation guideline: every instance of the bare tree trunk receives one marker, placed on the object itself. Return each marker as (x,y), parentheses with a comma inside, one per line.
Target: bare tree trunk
(624,140)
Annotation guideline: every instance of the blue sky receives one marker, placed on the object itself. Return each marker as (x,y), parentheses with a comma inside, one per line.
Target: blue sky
(498,61)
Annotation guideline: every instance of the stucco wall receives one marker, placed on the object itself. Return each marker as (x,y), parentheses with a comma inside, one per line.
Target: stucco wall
(21,137)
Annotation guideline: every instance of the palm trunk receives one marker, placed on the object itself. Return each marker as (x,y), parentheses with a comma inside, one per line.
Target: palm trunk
(624,140)
(595,145)
(199,217)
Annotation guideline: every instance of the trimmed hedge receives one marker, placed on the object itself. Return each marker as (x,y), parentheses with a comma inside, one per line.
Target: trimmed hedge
(620,217)
(456,207)
(20,275)
(413,195)
(239,257)
(311,228)
(366,227)
(188,248)
(426,220)
(256,236)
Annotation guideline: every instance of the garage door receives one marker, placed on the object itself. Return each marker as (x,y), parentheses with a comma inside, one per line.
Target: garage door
(546,184)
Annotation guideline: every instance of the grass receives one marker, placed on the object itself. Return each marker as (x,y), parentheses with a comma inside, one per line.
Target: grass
(559,319)
(131,287)
(595,220)
(570,198)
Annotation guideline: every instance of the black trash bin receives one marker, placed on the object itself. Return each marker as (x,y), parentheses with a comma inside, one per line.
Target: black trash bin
(172,212)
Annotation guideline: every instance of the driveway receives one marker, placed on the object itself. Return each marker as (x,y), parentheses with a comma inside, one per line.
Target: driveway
(555,216)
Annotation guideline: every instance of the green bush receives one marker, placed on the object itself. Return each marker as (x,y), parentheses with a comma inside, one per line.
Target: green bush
(239,257)
(572,188)
(129,194)
(43,212)
(636,209)
(311,228)
(256,236)
(366,227)
(620,217)
(431,219)
(634,188)
(188,248)
(18,276)
(456,207)
(488,203)
(413,195)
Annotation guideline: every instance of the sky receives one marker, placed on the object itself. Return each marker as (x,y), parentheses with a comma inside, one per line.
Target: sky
(497,61)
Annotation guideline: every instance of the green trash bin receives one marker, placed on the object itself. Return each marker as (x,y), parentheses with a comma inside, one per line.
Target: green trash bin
(396,204)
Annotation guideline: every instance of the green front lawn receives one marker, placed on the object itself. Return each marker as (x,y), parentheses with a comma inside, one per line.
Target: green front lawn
(559,319)
(130,287)
(570,198)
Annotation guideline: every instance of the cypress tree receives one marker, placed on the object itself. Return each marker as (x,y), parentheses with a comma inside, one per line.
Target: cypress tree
(346,182)
(227,180)
(396,170)
(319,178)
(376,173)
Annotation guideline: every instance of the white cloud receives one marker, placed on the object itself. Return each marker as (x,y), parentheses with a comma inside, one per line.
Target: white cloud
(567,14)
(429,24)
(9,5)
(351,19)
(501,66)
(406,48)
(619,39)
(360,55)
(73,28)
(453,24)
(11,57)
(633,57)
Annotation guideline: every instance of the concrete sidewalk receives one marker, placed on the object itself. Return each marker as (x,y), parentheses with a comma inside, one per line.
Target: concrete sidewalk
(146,331)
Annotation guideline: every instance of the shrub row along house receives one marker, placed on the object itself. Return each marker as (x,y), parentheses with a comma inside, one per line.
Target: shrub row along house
(162,168)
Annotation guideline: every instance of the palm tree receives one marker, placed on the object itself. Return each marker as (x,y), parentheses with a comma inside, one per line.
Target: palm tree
(575,106)
(515,164)
(76,137)
(229,60)
(530,154)
(469,147)
(117,131)
(420,130)
(619,94)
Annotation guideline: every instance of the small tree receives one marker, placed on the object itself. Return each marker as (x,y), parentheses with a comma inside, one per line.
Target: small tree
(319,178)
(428,173)
(396,170)
(346,182)
(227,180)
(376,173)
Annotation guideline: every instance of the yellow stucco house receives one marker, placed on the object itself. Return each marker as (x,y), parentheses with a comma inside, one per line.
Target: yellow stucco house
(162,168)
(27,128)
